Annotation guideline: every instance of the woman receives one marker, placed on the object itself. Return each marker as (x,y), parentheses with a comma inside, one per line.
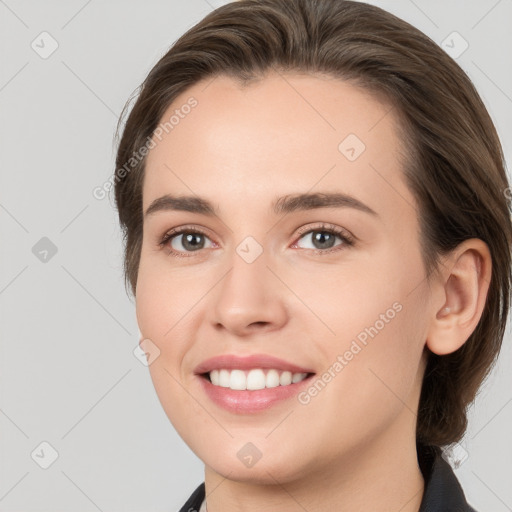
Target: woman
(318,238)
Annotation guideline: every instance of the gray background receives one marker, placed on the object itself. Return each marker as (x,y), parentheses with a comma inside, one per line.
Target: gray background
(68,373)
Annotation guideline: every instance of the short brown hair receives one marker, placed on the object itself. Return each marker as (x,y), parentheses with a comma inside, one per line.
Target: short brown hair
(455,166)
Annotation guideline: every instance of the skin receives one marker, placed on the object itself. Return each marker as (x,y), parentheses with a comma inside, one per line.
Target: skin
(240,148)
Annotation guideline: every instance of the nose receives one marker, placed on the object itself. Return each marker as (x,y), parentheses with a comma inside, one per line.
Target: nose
(249,299)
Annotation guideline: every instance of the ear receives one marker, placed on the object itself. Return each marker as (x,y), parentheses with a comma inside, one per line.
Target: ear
(459,295)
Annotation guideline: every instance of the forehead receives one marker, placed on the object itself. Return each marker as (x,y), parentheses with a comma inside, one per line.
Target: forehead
(284,134)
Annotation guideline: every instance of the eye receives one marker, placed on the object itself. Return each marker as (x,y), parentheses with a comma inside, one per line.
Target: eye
(183,240)
(323,238)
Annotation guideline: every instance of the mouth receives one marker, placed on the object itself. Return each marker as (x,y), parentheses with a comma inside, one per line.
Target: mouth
(254,379)
(251,383)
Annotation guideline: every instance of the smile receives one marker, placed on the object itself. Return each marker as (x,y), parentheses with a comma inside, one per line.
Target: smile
(248,384)
(254,379)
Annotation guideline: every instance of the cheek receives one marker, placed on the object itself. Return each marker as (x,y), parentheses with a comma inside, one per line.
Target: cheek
(166,298)
(164,305)
(379,325)
(350,296)
(371,383)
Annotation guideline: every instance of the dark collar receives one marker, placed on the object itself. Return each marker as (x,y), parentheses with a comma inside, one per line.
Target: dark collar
(443,492)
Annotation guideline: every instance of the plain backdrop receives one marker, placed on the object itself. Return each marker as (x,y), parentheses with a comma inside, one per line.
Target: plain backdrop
(73,396)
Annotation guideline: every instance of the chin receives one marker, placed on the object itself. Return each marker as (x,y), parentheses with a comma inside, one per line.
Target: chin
(275,467)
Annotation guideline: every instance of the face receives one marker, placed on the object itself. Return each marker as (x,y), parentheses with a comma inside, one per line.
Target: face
(296,257)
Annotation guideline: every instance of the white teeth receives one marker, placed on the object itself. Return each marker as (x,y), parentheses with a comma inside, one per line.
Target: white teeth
(214,377)
(297,377)
(224,378)
(272,380)
(238,380)
(285,379)
(254,379)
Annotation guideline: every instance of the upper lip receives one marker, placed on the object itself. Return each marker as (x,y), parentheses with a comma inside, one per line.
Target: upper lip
(231,361)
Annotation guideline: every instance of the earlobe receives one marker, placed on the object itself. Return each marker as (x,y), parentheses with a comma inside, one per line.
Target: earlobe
(463,283)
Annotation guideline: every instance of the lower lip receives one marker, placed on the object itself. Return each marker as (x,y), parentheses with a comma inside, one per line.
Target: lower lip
(246,401)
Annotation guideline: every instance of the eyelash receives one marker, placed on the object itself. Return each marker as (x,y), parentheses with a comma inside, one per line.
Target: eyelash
(348,240)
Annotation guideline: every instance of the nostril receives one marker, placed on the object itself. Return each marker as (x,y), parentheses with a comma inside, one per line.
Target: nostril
(259,323)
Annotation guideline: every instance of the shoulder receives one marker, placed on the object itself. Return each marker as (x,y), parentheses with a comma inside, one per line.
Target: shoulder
(193,504)
(443,492)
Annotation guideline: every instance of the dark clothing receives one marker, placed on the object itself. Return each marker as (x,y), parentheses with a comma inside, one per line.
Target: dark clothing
(442,492)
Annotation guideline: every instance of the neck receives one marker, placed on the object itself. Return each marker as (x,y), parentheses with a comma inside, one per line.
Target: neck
(379,475)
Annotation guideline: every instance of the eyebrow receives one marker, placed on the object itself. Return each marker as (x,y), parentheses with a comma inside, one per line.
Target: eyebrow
(282,205)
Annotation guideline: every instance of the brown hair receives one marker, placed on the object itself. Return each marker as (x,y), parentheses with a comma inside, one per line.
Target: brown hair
(455,165)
